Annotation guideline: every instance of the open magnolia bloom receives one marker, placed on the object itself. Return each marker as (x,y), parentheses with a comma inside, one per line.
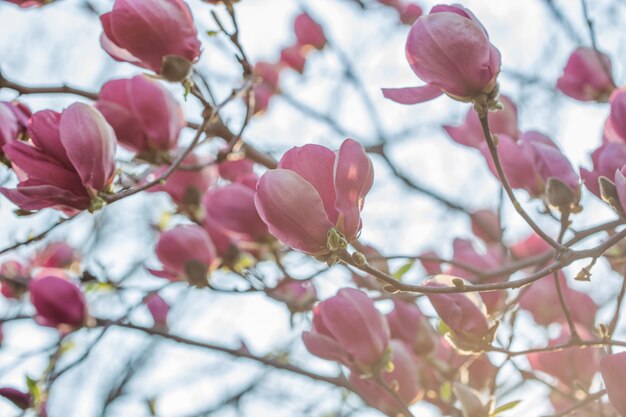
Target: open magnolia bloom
(450,50)
(313,201)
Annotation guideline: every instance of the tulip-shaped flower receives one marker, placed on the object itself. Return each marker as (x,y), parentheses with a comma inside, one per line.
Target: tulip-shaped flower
(69,160)
(403,379)
(309,32)
(607,160)
(145,116)
(158,309)
(187,253)
(470,133)
(587,76)
(158,35)
(299,295)
(572,366)
(55,255)
(348,328)
(232,210)
(463,313)
(58,302)
(13,121)
(450,50)
(613,369)
(313,201)
(408,323)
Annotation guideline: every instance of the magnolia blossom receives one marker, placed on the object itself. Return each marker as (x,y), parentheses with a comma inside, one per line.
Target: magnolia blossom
(613,368)
(449,49)
(69,160)
(348,328)
(293,57)
(299,295)
(531,246)
(232,169)
(309,32)
(408,323)
(145,116)
(13,121)
(187,253)
(486,225)
(158,35)
(158,309)
(617,117)
(404,379)
(587,76)
(607,160)
(16,276)
(470,133)
(314,192)
(58,302)
(30,3)
(55,255)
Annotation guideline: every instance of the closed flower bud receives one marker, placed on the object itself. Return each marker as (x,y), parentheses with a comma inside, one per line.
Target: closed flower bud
(309,32)
(299,295)
(613,368)
(134,32)
(187,253)
(313,191)
(403,379)
(449,49)
(348,328)
(69,160)
(158,309)
(486,225)
(407,323)
(58,302)
(232,169)
(55,255)
(145,116)
(587,76)
(607,159)
(293,57)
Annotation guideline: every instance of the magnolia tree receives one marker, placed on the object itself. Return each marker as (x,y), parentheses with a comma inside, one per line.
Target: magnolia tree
(225,221)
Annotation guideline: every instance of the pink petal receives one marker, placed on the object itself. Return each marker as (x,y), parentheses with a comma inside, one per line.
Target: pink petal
(412,95)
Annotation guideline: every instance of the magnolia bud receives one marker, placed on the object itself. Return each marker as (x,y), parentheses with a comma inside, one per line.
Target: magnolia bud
(175,68)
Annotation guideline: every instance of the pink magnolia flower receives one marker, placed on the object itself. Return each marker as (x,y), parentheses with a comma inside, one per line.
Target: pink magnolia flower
(265,90)
(541,299)
(232,210)
(409,13)
(69,160)
(531,246)
(187,253)
(13,121)
(232,169)
(617,117)
(159,309)
(613,368)
(404,379)
(348,328)
(299,295)
(607,160)
(293,57)
(190,182)
(55,255)
(313,191)
(58,302)
(450,50)
(463,313)
(134,32)
(16,276)
(531,161)
(486,225)
(470,133)
(573,365)
(19,398)
(30,3)
(145,116)
(309,32)
(620,186)
(408,323)
(587,76)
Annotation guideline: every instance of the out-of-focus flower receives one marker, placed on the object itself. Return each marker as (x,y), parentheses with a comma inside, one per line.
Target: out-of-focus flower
(450,50)
(232,169)
(409,13)
(145,116)
(135,32)
(486,225)
(403,379)
(607,160)
(613,368)
(531,246)
(299,295)
(69,161)
(293,57)
(470,133)
(58,302)
(407,323)
(587,76)
(13,121)
(572,365)
(30,3)
(16,276)
(309,32)
(20,399)
(187,253)
(348,328)
(313,201)
(55,255)
(159,310)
